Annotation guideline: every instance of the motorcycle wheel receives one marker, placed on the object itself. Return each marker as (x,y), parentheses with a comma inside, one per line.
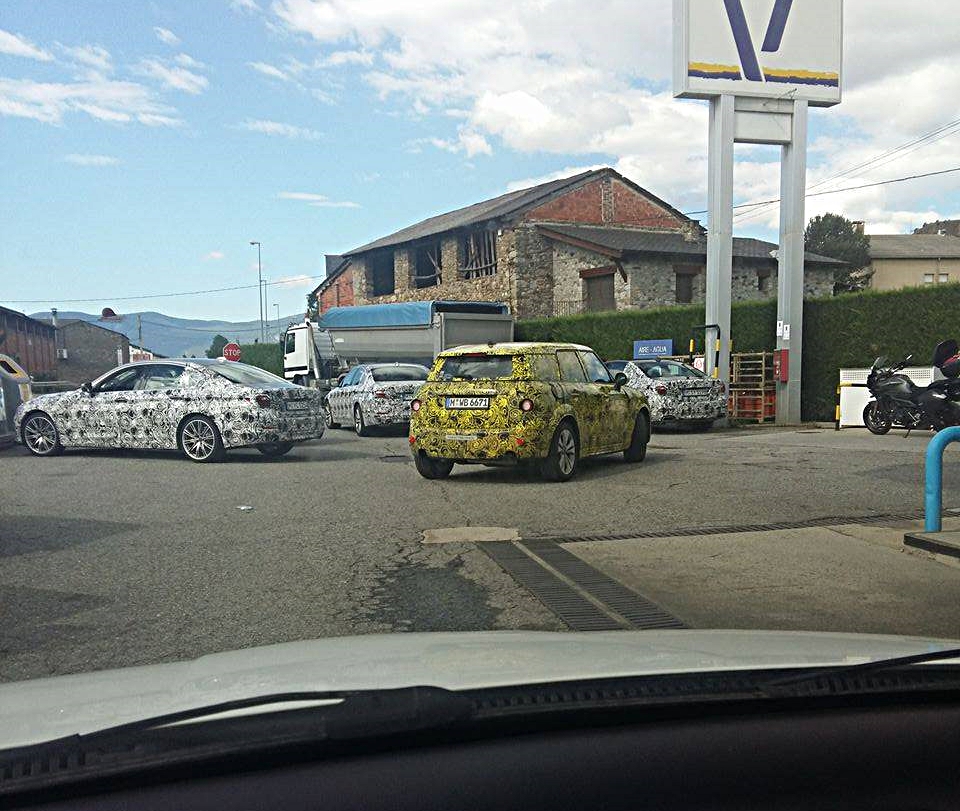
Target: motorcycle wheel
(875,419)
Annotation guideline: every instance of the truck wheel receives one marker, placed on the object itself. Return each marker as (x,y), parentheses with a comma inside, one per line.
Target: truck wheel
(637,450)
(432,468)
(561,461)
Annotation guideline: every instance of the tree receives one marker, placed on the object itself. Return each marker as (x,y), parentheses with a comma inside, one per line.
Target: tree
(839,238)
(216,347)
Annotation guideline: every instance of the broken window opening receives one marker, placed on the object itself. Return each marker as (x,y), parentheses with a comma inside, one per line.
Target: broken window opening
(380,274)
(427,265)
(478,254)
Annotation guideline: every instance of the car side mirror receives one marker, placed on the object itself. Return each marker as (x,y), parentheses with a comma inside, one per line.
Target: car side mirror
(87,388)
(619,381)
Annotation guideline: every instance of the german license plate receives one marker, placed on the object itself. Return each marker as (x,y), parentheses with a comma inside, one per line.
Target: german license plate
(468,402)
(295,405)
(461,437)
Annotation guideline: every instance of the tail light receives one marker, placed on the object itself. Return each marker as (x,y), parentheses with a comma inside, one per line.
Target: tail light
(526,405)
(661,389)
(263,400)
(415,405)
(381,393)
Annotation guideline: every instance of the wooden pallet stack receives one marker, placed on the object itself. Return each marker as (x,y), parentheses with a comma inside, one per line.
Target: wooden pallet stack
(753,392)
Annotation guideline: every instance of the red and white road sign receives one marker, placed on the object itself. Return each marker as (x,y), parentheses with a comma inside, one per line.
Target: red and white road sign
(231,351)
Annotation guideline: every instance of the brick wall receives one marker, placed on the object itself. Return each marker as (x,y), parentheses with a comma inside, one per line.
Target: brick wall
(31,343)
(339,293)
(630,208)
(91,351)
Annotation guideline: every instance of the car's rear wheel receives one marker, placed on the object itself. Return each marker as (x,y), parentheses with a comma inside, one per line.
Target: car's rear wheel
(637,449)
(431,468)
(275,448)
(359,425)
(40,435)
(200,440)
(561,462)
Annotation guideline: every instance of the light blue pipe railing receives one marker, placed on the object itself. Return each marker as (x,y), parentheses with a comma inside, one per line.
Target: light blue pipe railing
(933,491)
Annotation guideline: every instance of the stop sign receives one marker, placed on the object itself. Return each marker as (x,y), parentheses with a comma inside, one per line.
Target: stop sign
(231,351)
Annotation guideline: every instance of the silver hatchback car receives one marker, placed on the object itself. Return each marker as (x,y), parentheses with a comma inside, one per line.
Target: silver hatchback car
(375,394)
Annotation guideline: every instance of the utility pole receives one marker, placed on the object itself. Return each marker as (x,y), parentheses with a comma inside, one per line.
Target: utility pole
(139,332)
(259,285)
(277,308)
(266,310)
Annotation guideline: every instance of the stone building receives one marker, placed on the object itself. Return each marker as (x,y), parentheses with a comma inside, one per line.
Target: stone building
(88,350)
(594,241)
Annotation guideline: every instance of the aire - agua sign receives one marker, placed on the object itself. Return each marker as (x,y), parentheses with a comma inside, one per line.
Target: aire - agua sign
(765,48)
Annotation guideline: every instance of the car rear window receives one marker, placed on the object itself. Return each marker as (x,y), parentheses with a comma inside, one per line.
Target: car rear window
(475,367)
(393,374)
(250,376)
(669,369)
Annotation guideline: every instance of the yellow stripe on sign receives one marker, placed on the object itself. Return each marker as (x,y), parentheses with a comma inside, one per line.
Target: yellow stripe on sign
(713,67)
(801,74)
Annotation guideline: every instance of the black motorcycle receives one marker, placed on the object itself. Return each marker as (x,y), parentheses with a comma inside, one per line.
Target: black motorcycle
(900,403)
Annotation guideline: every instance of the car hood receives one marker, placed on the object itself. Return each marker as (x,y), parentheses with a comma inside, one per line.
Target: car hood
(44,709)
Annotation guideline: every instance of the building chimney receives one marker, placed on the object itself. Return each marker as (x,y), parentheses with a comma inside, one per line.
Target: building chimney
(53,317)
(691,231)
(858,226)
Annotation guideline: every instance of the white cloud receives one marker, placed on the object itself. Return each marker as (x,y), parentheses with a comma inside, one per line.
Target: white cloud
(103,99)
(175,78)
(318,200)
(92,57)
(92,160)
(214,256)
(249,6)
(16,45)
(268,70)
(280,129)
(548,77)
(301,280)
(188,62)
(166,36)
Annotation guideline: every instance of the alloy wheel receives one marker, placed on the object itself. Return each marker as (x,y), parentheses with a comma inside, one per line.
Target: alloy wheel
(566,451)
(198,439)
(40,434)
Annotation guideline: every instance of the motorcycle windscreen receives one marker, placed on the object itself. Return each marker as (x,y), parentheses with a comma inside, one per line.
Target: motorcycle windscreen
(944,351)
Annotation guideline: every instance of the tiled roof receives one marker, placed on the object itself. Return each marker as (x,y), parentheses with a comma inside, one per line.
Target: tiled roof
(914,246)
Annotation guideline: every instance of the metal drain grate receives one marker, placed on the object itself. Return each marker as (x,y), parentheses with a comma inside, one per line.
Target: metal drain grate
(867,520)
(636,609)
(575,610)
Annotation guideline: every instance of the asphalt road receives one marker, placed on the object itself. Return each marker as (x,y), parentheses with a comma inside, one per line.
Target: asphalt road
(111,558)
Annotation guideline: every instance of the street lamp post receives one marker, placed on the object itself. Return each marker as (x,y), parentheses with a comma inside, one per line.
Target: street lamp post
(259,285)
(277,308)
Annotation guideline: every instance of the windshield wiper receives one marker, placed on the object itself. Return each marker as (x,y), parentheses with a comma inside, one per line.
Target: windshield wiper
(875,666)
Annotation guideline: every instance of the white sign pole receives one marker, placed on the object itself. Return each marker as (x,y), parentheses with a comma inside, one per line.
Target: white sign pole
(793,176)
(719,236)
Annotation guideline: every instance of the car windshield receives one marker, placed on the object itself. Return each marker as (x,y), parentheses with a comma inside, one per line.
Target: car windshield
(396,374)
(475,367)
(447,216)
(249,376)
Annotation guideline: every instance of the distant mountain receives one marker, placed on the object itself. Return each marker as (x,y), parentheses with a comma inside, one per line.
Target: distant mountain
(174,337)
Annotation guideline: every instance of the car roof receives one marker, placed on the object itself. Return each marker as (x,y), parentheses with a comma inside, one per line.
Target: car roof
(511,348)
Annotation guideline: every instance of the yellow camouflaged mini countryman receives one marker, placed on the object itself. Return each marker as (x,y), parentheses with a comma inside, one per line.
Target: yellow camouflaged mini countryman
(537,405)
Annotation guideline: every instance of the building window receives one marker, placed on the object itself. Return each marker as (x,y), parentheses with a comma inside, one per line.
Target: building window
(478,254)
(380,273)
(928,278)
(943,278)
(763,281)
(427,265)
(686,276)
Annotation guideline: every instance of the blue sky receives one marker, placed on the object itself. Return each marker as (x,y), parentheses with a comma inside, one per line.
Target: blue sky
(144,145)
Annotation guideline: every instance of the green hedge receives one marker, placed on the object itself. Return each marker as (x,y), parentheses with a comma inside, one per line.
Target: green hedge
(849,330)
(266,356)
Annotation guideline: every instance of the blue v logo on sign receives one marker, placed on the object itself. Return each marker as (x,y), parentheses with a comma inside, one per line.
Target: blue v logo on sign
(749,63)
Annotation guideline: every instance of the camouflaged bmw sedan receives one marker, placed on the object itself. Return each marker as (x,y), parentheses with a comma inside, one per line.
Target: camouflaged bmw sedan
(541,406)
(198,406)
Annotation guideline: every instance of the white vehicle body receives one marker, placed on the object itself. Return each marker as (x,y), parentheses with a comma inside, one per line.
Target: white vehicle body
(408,332)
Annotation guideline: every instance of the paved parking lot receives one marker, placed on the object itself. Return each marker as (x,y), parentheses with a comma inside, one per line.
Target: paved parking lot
(110,558)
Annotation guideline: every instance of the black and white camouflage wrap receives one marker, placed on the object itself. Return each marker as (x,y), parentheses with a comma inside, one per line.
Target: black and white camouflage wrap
(687,399)
(151,418)
(380,402)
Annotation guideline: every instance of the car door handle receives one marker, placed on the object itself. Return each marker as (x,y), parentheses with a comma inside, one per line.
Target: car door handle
(121,400)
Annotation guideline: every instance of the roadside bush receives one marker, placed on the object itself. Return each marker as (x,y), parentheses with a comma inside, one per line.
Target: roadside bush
(848,330)
(266,356)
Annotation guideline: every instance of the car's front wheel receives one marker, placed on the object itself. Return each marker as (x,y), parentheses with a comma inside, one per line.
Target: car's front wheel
(359,424)
(637,450)
(431,468)
(274,449)
(200,440)
(40,435)
(561,462)
(328,417)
